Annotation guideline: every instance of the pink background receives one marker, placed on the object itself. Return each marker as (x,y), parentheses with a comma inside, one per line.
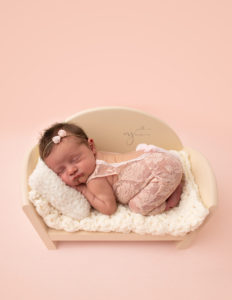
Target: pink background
(169,58)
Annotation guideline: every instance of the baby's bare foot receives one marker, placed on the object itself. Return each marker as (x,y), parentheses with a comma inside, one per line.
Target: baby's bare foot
(174,199)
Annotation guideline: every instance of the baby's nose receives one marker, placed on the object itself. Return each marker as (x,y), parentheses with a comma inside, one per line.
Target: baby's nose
(72,170)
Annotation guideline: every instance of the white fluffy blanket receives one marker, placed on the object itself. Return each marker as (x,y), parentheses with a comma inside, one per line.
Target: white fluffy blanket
(63,209)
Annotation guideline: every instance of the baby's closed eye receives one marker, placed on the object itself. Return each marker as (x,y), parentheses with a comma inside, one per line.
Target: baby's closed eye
(75,158)
(60,171)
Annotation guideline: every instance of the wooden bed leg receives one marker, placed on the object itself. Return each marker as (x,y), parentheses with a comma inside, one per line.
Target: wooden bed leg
(39,226)
(187,240)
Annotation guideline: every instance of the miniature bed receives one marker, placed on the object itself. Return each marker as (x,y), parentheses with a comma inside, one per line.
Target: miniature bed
(119,129)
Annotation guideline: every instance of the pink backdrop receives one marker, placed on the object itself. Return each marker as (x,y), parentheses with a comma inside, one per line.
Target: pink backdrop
(169,58)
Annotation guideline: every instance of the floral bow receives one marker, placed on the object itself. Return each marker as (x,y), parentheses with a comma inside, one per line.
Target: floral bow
(61,133)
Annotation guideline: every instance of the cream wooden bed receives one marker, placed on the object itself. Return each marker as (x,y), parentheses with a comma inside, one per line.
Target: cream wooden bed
(120,129)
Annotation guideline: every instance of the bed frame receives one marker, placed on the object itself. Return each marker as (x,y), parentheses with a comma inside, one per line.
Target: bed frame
(120,129)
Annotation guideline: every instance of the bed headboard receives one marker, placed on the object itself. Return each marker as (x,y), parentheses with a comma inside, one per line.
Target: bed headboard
(120,129)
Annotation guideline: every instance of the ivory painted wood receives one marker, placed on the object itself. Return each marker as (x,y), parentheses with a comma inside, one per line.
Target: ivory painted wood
(61,235)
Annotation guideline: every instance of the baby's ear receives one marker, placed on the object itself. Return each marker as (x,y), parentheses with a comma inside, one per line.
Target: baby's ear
(92,145)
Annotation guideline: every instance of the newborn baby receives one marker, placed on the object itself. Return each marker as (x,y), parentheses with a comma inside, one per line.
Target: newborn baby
(149,179)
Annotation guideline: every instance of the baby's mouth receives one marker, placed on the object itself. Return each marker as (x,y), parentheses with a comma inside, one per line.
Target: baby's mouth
(78,176)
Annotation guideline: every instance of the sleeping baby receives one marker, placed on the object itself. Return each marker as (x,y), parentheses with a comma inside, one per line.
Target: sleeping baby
(149,179)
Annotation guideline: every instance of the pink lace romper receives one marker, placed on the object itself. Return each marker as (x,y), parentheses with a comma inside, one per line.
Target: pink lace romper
(145,182)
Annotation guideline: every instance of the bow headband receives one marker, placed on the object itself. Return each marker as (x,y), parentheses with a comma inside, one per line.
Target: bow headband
(61,133)
(57,138)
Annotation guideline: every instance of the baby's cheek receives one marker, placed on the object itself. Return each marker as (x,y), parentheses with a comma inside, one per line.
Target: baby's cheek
(68,181)
(63,177)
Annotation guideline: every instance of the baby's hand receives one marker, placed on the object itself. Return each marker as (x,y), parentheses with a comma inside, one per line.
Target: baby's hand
(81,188)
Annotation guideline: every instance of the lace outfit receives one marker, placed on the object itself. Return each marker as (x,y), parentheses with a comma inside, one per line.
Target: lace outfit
(145,182)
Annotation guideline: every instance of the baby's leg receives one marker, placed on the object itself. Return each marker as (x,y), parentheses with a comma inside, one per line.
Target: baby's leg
(174,199)
(158,210)
(151,200)
(171,202)
(150,197)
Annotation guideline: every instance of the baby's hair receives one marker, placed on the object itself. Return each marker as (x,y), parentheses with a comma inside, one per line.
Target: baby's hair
(45,144)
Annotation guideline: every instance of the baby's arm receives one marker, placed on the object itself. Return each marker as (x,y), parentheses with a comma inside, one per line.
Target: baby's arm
(100,195)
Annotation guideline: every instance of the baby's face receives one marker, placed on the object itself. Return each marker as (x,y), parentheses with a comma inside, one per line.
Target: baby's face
(71,161)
